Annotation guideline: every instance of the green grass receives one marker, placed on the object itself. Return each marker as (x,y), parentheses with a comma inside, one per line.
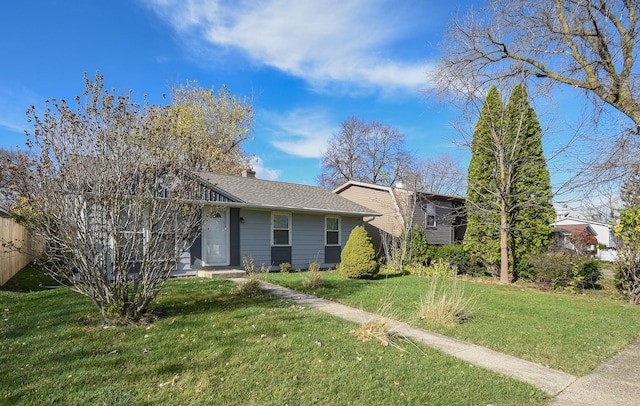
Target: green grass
(214,346)
(568,332)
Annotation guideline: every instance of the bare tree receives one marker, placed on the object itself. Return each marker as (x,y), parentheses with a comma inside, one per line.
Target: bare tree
(586,44)
(9,161)
(114,208)
(438,175)
(365,152)
(589,45)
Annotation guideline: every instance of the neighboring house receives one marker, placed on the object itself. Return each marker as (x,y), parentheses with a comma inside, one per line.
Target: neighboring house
(602,231)
(576,237)
(270,222)
(441,216)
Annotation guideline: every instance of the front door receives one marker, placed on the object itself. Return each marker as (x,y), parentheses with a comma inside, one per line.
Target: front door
(215,237)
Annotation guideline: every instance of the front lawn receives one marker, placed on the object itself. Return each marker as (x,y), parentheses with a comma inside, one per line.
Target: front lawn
(213,346)
(569,332)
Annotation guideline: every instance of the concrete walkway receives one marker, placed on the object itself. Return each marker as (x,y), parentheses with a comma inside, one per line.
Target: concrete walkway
(616,382)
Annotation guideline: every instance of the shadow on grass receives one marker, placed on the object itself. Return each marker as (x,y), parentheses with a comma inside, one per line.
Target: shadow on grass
(31,278)
(182,299)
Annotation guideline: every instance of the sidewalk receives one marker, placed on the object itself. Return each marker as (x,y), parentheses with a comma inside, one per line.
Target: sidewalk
(616,382)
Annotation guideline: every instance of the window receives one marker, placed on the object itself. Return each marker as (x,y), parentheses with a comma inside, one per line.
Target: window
(332,230)
(429,210)
(281,226)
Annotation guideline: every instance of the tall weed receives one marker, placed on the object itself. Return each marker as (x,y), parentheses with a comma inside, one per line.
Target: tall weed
(445,302)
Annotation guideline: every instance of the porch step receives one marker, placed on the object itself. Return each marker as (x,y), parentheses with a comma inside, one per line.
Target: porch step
(222,273)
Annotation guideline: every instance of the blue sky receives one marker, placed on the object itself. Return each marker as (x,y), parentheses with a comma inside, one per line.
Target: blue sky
(307,65)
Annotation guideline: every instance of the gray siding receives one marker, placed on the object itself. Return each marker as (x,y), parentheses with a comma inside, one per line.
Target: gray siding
(253,239)
(307,240)
(307,237)
(255,236)
(442,233)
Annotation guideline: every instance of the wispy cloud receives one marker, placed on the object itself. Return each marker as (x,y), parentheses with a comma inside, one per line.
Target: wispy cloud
(331,44)
(14,102)
(302,132)
(262,172)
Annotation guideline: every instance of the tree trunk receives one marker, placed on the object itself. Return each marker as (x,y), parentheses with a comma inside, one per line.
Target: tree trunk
(504,249)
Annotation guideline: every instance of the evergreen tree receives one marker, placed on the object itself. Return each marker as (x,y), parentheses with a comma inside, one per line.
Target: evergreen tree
(482,236)
(509,207)
(358,258)
(531,212)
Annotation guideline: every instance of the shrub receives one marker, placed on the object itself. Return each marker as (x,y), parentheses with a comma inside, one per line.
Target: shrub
(250,288)
(358,258)
(455,255)
(627,230)
(249,264)
(419,245)
(285,267)
(313,280)
(439,267)
(558,270)
(445,303)
(314,267)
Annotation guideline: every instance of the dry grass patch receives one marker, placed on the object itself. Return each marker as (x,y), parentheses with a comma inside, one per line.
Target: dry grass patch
(446,303)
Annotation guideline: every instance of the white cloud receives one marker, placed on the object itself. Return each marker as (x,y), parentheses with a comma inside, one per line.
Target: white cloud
(301,132)
(262,172)
(326,42)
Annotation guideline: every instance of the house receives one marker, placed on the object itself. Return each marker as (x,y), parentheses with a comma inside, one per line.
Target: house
(606,249)
(576,237)
(441,216)
(270,222)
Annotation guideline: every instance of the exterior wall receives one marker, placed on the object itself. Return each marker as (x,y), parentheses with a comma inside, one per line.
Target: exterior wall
(446,231)
(379,201)
(254,240)
(255,236)
(442,233)
(307,241)
(308,238)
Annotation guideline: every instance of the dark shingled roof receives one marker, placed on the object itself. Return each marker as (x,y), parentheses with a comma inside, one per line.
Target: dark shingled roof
(258,193)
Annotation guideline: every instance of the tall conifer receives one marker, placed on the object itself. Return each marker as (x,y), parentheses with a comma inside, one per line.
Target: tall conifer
(509,194)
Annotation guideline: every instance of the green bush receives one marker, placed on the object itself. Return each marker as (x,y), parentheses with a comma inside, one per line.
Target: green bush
(439,267)
(419,245)
(285,267)
(358,258)
(558,270)
(456,256)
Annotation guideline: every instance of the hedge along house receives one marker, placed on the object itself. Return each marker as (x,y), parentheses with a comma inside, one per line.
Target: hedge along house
(270,222)
(442,217)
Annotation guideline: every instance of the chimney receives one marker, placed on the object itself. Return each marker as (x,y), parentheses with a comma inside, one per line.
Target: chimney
(249,173)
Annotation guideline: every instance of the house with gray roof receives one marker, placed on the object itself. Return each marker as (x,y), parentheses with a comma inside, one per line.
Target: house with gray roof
(270,222)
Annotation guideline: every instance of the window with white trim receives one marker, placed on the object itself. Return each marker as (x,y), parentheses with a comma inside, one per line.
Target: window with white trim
(332,230)
(280,229)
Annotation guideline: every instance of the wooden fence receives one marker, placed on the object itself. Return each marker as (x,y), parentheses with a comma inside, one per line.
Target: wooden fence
(18,248)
